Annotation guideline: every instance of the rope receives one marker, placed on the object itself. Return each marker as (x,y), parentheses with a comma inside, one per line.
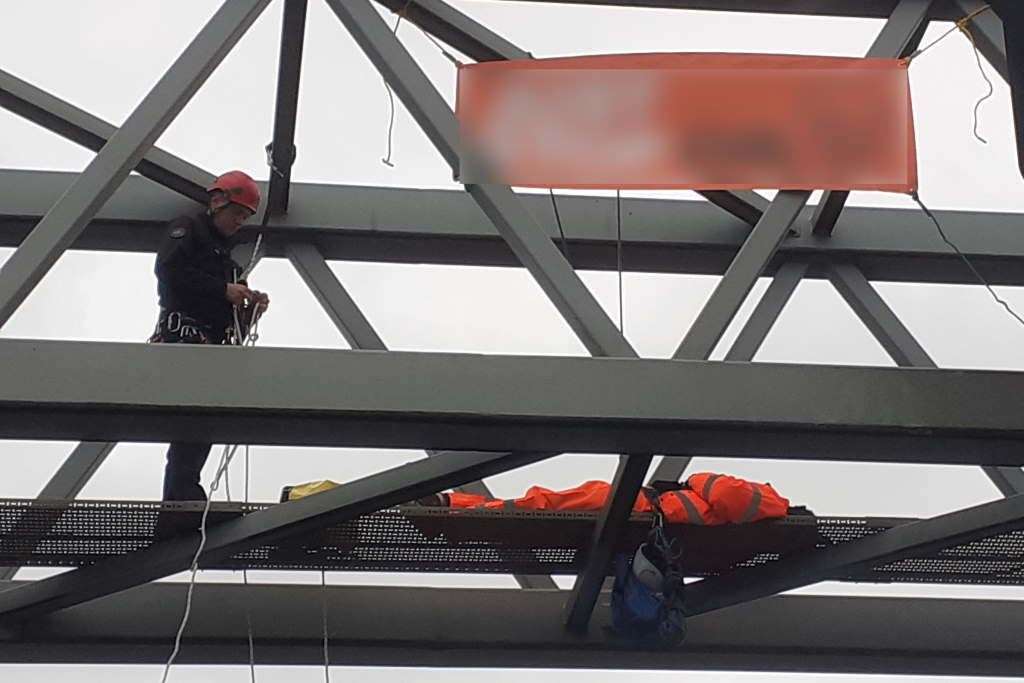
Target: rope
(323,595)
(225,460)
(222,467)
(961,25)
(991,87)
(558,220)
(981,279)
(391,95)
(618,250)
(245,581)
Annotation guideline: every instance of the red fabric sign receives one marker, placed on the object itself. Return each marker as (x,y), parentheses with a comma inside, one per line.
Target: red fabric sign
(688,121)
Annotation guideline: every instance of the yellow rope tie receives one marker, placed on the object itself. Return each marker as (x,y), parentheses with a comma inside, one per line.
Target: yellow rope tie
(962,25)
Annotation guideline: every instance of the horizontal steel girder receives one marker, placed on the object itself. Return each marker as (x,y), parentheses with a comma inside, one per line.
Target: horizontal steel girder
(136,392)
(446,226)
(386,626)
(881,9)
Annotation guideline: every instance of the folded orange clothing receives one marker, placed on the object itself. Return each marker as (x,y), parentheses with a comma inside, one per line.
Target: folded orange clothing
(708,499)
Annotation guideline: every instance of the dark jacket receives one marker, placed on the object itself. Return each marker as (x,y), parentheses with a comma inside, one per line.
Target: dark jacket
(193,269)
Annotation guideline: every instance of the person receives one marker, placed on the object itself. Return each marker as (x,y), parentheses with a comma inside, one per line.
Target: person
(200,293)
(705,498)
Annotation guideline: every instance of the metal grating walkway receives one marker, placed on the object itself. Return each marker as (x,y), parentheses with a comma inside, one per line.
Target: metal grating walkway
(415,539)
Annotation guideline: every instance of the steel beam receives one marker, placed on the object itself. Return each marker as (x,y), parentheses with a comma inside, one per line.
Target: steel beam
(919,538)
(446,227)
(899,37)
(68,217)
(749,340)
(70,478)
(902,347)
(463,33)
(987,29)
(137,392)
(944,10)
(555,276)
(362,496)
(282,148)
(455,28)
(767,311)
(534,249)
(881,321)
(730,293)
(357,330)
(747,206)
(77,125)
(741,276)
(391,626)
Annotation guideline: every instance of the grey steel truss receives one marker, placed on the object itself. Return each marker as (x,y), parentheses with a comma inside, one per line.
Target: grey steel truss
(546,406)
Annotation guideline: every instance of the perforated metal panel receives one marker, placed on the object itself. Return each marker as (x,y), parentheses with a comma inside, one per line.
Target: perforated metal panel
(415,539)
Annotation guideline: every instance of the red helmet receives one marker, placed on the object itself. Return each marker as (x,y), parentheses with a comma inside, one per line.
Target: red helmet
(240,188)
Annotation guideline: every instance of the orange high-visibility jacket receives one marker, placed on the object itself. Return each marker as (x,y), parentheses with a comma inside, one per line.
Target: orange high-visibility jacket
(738,500)
(685,506)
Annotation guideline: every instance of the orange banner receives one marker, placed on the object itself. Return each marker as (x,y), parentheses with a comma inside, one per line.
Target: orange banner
(688,121)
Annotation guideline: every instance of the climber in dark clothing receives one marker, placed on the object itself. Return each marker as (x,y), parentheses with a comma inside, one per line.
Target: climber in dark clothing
(199,294)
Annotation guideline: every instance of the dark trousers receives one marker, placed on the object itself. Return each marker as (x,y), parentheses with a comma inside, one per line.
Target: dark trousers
(185,460)
(181,474)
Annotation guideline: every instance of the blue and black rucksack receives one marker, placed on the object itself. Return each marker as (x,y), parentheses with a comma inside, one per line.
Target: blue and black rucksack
(647,597)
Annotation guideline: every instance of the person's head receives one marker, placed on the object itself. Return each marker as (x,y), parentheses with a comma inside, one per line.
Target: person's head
(234,199)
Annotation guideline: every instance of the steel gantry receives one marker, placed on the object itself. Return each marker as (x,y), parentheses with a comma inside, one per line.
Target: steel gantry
(100,393)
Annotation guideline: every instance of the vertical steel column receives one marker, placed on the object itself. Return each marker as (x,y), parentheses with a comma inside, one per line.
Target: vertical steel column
(901,345)
(357,330)
(534,249)
(899,37)
(282,149)
(72,212)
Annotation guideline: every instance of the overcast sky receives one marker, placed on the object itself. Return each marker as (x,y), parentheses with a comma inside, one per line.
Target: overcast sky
(104,56)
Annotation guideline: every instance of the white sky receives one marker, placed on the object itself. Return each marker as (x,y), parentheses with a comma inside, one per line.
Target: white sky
(103,57)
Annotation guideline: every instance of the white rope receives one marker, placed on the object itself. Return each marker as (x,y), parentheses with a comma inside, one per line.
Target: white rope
(323,595)
(225,461)
(245,581)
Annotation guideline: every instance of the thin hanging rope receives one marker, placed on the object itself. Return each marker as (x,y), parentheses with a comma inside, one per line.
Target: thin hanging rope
(323,595)
(558,220)
(451,58)
(225,460)
(991,87)
(962,26)
(981,279)
(245,581)
(618,249)
(958,24)
(391,95)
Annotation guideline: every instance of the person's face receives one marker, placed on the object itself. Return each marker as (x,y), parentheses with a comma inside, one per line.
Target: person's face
(228,217)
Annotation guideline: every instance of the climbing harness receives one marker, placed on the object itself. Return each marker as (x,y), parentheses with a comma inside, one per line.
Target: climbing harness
(647,596)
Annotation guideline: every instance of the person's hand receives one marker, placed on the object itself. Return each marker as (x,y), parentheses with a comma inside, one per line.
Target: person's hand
(238,294)
(261,300)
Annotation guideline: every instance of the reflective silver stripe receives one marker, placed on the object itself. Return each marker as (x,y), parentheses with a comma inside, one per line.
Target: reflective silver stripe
(706,492)
(755,503)
(691,509)
(509,504)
